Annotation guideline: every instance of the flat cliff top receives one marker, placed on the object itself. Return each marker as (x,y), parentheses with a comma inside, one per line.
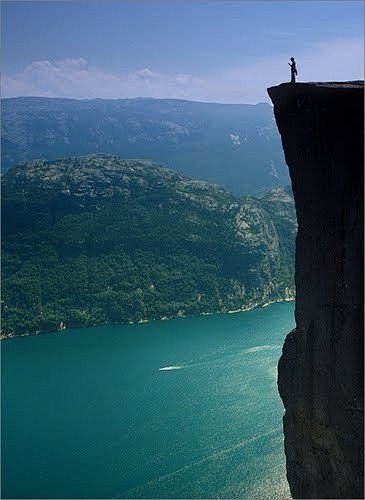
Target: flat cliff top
(347,84)
(351,84)
(355,84)
(314,88)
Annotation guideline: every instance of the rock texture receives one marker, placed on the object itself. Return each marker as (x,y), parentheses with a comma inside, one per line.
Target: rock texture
(321,368)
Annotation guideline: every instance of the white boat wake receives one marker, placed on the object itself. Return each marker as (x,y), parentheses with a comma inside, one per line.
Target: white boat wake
(168,368)
(261,348)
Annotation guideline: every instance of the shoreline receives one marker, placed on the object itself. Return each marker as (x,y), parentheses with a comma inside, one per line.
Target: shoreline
(64,328)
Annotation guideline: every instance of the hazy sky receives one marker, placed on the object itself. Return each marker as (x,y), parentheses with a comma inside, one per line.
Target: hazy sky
(209,51)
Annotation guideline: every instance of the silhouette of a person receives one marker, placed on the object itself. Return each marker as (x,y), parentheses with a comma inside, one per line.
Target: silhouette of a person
(293,68)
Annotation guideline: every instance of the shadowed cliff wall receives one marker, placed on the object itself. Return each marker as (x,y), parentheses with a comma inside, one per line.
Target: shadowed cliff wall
(321,368)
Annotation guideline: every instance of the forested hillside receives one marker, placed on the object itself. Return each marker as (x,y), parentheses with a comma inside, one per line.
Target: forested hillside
(99,239)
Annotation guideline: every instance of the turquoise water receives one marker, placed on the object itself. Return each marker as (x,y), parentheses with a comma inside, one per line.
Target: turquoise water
(89,414)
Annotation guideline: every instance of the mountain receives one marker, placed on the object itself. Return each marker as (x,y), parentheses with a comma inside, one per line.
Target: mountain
(98,239)
(234,145)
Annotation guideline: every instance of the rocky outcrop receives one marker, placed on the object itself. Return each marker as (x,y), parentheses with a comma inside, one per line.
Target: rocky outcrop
(321,368)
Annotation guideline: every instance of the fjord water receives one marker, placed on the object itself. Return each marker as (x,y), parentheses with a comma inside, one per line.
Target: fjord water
(89,413)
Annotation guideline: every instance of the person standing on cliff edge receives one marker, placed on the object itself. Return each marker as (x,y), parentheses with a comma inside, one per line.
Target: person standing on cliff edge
(293,68)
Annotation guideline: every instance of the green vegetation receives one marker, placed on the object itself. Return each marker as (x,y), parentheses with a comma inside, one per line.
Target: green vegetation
(98,239)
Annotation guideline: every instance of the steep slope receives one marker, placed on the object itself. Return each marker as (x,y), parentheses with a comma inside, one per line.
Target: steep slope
(237,146)
(321,368)
(98,239)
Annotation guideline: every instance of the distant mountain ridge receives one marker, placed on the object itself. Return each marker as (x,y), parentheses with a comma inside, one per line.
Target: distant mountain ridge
(234,145)
(101,240)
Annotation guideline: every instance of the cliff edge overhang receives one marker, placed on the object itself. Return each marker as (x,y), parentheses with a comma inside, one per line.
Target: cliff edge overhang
(320,374)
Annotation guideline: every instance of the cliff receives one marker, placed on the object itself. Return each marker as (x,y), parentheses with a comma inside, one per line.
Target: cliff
(321,369)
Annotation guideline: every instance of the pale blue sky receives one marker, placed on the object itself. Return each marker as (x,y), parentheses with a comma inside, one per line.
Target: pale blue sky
(208,51)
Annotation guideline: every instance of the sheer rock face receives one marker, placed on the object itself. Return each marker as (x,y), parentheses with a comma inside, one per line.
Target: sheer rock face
(321,368)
